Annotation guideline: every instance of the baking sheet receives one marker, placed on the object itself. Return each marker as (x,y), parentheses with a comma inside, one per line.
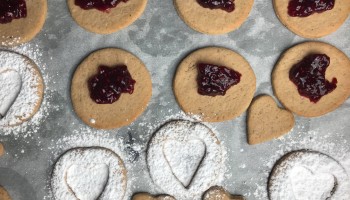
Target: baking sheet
(161,40)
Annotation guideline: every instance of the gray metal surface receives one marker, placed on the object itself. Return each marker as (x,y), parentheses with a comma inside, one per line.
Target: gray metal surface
(161,39)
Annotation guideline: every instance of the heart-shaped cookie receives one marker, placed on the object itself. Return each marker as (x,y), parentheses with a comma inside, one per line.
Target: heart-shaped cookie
(87,181)
(308,185)
(10,86)
(184,158)
(146,196)
(219,193)
(267,121)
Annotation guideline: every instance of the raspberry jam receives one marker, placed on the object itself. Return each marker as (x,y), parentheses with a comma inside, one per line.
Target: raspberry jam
(12,9)
(227,5)
(107,86)
(304,8)
(309,76)
(215,80)
(101,5)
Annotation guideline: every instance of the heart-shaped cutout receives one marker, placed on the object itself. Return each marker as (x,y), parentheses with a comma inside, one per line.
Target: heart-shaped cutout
(146,196)
(216,193)
(266,121)
(10,86)
(87,181)
(308,185)
(184,158)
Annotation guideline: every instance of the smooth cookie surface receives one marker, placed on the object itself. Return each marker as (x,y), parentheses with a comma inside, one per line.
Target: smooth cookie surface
(287,92)
(316,25)
(116,19)
(215,21)
(127,108)
(218,108)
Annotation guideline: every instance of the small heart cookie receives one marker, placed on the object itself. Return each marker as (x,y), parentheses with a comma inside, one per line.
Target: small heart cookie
(4,195)
(146,196)
(267,121)
(219,193)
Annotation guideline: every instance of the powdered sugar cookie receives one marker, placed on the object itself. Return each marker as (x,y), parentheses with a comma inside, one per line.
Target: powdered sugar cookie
(89,173)
(308,175)
(126,106)
(318,100)
(21,90)
(4,195)
(219,193)
(224,18)
(106,19)
(266,121)
(185,158)
(314,25)
(146,196)
(24,23)
(225,105)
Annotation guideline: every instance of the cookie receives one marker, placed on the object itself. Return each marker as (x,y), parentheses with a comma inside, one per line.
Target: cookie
(316,25)
(185,158)
(146,196)
(22,88)
(96,21)
(2,149)
(286,91)
(24,29)
(219,193)
(308,175)
(218,108)
(4,195)
(89,173)
(213,21)
(128,107)
(266,121)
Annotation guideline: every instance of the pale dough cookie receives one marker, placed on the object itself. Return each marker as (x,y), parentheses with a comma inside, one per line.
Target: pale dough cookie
(216,21)
(116,19)
(267,121)
(316,25)
(2,149)
(287,92)
(24,29)
(146,196)
(218,108)
(219,193)
(128,107)
(4,195)
(31,93)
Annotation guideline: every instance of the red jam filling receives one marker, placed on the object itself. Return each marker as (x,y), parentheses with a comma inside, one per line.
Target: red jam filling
(12,9)
(215,80)
(108,84)
(304,8)
(101,5)
(309,76)
(227,5)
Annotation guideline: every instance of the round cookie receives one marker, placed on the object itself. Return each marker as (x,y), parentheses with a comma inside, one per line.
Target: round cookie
(218,108)
(89,173)
(308,175)
(287,92)
(185,158)
(214,21)
(24,29)
(316,25)
(128,107)
(4,195)
(146,196)
(93,20)
(31,92)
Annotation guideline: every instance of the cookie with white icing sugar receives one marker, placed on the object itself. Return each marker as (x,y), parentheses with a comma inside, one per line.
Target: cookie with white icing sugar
(308,175)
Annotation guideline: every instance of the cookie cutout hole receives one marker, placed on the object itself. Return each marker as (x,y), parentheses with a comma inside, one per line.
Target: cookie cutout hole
(88,181)
(11,83)
(184,158)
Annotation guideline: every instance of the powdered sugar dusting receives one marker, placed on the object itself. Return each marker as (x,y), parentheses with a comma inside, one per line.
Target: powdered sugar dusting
(210,172)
